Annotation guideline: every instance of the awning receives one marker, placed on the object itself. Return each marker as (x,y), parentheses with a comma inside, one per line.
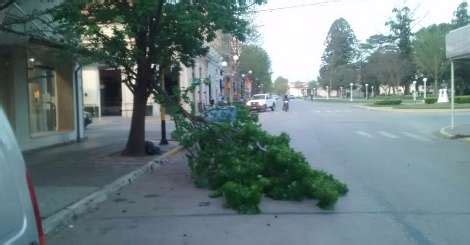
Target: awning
(458,43)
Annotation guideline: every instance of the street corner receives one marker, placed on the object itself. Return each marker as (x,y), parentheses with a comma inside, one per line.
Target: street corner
(456,132)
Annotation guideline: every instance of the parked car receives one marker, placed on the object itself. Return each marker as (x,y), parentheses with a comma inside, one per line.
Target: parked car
(261,102)
(20,221)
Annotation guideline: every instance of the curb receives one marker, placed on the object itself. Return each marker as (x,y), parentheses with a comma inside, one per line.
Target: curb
(71,212)
(448,135)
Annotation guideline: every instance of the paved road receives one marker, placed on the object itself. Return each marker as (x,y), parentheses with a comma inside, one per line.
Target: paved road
(407,186)
(414,184)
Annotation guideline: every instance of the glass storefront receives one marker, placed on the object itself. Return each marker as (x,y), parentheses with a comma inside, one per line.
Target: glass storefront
(42,89)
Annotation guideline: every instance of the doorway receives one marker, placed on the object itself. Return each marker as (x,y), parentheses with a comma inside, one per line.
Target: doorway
(111,92)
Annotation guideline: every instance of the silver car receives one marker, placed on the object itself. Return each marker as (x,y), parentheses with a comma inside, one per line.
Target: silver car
(20,221)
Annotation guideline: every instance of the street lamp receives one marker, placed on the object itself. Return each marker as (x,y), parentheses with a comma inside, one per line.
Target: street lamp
(414,92)
(351,84)
(425,80)
(367,91)
(327,92)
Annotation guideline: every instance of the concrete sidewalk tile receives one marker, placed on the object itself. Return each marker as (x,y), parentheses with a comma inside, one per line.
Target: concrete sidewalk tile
(90,201)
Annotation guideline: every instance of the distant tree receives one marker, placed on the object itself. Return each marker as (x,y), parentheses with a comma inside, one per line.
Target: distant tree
(385,66)
(281,85)
(461,16)
(256,59)
(401,33)
(340,51)
(429,51)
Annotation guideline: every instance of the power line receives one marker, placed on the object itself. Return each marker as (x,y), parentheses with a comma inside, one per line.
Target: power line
(295,6)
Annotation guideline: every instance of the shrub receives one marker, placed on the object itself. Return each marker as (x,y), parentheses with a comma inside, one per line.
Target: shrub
(388,102)
(241,162)
(244,199)
(462,99)
(430,100)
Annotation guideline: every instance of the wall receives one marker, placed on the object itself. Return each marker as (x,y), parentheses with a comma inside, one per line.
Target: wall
(91,88)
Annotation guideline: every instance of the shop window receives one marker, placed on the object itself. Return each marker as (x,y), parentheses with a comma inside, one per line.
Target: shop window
(42,89)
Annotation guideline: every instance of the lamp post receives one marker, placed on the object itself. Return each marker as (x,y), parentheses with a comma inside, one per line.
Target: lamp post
(223,90)
(414,92)
(425,80)
(351,84)
(327,92)
(233,84)
(242,86)
(367,91)
(341,93)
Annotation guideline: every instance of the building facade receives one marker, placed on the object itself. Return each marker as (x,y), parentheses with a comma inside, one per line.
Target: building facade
(40,89)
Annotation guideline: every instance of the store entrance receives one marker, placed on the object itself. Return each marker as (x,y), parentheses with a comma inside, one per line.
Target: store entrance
(111,92)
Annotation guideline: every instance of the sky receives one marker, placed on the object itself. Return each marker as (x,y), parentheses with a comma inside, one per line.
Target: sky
(294,37)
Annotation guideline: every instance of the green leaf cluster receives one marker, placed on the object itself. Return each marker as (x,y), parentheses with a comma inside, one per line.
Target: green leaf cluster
(242,162)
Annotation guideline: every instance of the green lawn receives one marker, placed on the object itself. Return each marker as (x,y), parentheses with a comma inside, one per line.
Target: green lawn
(432,106)
(424,106)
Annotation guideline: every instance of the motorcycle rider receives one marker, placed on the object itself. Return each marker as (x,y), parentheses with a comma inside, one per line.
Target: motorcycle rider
(285,106)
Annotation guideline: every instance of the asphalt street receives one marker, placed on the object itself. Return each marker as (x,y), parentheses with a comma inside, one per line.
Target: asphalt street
(407,186)
(397,167)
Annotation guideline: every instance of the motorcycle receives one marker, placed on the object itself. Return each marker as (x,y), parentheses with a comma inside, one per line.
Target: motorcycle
(285,106)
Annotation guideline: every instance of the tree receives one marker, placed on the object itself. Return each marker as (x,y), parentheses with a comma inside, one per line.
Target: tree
(144,38)
(340,51)
(461,16)
(400,28)
(429,51)
(4,4)
(255,59)
(281,85)
(385,66)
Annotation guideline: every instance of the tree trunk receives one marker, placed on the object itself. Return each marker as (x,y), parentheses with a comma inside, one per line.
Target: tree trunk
(136,141)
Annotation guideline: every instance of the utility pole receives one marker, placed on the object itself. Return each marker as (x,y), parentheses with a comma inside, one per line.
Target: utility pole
(164,140)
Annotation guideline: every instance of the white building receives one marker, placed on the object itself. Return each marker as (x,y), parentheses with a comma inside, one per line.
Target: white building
(207,75)
(105,94)
(298,89)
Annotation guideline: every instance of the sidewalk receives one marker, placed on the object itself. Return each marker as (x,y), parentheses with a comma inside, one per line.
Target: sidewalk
(165,207)
(459,131)
(64,175)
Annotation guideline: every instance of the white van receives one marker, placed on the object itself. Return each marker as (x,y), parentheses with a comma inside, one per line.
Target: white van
(20,221)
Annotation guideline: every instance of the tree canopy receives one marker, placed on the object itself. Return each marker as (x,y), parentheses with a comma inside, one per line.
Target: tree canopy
(461,16)
(144,38)
(281,85)
(340,51)
(255,59)
(429,51)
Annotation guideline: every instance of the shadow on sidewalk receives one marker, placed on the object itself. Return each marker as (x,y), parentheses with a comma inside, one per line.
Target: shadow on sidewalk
(64,174)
